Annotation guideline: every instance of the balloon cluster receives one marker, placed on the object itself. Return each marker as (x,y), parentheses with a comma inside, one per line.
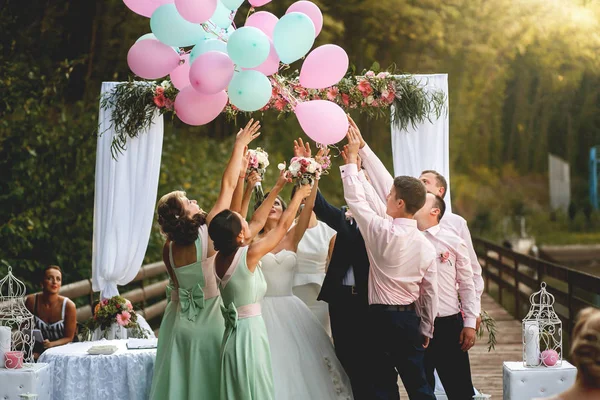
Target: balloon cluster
(229,64)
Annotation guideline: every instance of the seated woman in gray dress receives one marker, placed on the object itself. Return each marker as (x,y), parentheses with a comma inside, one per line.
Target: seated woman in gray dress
(55,315)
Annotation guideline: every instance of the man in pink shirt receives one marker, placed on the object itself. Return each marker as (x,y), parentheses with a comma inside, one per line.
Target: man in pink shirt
(402,277)
(436,184)
(453,336)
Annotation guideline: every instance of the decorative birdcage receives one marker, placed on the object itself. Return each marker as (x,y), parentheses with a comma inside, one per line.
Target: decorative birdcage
(15,316)
(542,332)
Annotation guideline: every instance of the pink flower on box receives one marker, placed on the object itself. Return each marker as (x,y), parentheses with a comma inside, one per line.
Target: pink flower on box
(383,75)
(370,74)
(160,91)
(129,305)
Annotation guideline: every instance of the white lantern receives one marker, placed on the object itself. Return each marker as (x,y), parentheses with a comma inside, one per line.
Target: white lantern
(15,318)
(542,332)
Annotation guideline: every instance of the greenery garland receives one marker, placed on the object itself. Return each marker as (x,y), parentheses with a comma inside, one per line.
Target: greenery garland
(135,103)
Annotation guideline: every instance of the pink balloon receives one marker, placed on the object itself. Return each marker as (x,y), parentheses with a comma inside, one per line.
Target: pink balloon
(312,10)
(211,72)
(145,7)
(323,121)
(180,76)
(263,20)
(258,3)
(151,59)
(324,66)
(271,64)
(196,11)
(195,108)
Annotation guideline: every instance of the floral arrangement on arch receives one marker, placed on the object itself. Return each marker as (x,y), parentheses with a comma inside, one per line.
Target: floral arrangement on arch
(370,90)
(372,93)
(116,310)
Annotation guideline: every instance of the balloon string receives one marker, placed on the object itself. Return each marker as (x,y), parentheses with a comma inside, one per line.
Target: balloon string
(285,92)
(213,31)
(250,11)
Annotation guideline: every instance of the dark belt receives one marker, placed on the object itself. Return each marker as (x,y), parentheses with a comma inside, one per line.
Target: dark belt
(351,290)
(388,307)
(449,317)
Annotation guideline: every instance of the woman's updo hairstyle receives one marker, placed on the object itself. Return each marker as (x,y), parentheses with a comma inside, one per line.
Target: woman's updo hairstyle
(174,221)
(224,229)
(585,350)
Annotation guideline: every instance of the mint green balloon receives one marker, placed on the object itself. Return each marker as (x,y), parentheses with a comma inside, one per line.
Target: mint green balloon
(248,47)
(206,46)
(222,16)
(232,4)
(249,90)
(172,29)
(293,37)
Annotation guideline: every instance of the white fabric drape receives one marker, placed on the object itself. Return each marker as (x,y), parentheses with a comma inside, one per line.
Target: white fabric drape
(427,146)
(124,200)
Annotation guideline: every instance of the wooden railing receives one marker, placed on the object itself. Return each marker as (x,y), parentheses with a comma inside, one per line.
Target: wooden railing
(512,277)
(146,292)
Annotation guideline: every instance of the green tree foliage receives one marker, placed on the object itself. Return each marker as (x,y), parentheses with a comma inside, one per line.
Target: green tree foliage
(524,81)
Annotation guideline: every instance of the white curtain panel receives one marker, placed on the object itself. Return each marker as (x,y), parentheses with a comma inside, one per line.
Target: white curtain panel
(428,145)
(124,202)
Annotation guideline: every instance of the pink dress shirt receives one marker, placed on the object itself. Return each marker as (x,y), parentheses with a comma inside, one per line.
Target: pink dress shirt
(453,269)
(403,266)
(382,182)
(458,225)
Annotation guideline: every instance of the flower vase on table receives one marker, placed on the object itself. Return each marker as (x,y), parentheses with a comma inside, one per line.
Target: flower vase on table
(113,318)
(113,332)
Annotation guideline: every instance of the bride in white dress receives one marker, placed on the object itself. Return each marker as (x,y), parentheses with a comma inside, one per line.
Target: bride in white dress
(303,359)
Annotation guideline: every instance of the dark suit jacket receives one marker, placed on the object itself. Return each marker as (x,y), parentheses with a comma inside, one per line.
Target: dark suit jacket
(349,250)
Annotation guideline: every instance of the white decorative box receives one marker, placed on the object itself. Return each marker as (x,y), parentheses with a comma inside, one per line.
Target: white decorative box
(522,383)
(32,378)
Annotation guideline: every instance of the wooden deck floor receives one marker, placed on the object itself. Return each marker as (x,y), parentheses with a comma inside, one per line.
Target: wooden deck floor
(486,368)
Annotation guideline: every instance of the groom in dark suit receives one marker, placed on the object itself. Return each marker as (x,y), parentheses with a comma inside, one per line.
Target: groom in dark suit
(345,289)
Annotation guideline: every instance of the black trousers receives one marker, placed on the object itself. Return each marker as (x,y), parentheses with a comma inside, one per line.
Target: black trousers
(445,356)
(397,350)
(349,327)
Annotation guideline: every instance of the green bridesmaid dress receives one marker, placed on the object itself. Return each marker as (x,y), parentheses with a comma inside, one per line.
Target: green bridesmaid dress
(245,354)
(191,331)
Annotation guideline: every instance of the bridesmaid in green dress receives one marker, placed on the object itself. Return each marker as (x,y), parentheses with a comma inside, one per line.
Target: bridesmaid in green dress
(192,327)
(245,355)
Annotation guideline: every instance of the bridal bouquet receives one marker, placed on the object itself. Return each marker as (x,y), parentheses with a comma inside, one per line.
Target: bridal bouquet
(114,311)
(305,170)
(258,161)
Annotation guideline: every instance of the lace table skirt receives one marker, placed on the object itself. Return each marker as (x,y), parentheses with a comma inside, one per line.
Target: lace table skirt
(125,374)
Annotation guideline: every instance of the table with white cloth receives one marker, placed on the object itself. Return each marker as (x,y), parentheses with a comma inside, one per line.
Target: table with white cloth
(32,378)
(524,383)
(125,374)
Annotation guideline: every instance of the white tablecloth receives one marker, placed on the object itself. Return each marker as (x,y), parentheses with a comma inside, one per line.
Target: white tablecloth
(32,378)
(125,374)
(522,383)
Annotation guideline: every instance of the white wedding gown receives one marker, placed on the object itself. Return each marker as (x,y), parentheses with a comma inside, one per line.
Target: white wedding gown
(304,363)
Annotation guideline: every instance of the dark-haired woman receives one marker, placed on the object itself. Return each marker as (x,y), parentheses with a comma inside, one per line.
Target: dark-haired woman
(245,356)
(191,331)
(55,316)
